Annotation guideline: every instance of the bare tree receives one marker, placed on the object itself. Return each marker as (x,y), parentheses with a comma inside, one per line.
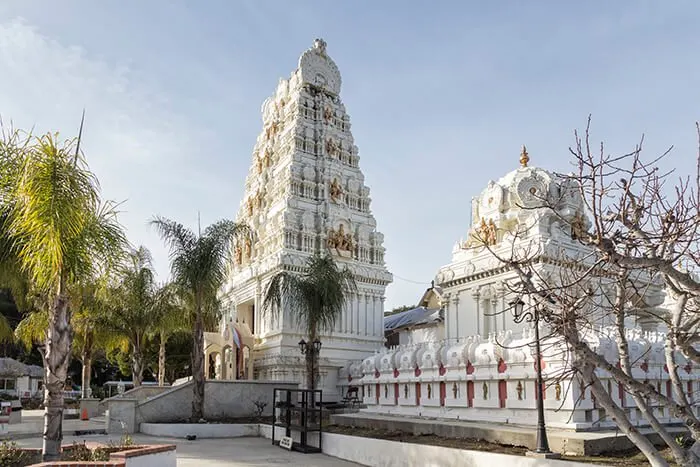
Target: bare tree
(634,241)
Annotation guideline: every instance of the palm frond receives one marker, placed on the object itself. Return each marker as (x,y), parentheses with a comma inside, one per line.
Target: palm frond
(315,298)
(32,329)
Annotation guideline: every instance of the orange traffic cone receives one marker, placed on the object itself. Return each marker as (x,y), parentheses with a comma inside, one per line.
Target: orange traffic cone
(84,414)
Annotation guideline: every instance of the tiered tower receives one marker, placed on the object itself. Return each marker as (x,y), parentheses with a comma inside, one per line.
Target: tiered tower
(305,193)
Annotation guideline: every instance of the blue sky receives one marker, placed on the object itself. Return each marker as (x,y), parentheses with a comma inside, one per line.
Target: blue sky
(441,96)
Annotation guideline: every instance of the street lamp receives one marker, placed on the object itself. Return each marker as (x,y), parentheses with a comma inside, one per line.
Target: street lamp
(520,315)
(314,349)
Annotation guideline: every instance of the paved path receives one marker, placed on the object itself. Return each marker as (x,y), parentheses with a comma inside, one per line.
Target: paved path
(227,452)
(33,425)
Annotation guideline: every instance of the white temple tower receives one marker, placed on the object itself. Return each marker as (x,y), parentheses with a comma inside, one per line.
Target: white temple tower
(305,193)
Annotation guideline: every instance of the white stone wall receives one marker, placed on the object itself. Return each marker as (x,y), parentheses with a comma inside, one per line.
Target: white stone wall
(494,380)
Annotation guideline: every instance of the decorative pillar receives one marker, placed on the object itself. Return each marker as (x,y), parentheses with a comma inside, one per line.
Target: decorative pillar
(475,296)
(359,314)
(363,306)
(379,323)
(494,311)
(455,334)
(448,321)
(381,313)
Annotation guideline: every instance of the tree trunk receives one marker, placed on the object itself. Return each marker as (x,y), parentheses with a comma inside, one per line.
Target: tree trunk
(87,373)
(198,367)
(56,360)
(86,358)
(161,360)
(618,416)
(137,366)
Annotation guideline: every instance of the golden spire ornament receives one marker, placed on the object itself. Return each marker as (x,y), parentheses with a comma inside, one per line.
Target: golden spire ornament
(524,158)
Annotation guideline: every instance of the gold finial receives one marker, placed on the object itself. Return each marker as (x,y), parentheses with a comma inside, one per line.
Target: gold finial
(524,158)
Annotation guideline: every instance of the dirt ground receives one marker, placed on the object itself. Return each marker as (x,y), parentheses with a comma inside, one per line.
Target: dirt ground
(626,459)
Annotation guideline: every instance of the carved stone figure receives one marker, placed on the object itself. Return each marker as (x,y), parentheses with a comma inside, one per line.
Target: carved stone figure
(271,129)
(331,147)
(519,390)
(557,391)
(492,234)
(485,390)
(320,45)
(249,206)
(386,391)
(328,114)
(336,191)
(455,390)
(578,226)
(238,254)
(405,391)
(430,391)
(248,248)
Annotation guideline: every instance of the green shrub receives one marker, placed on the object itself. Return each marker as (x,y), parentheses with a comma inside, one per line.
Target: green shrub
(11,455)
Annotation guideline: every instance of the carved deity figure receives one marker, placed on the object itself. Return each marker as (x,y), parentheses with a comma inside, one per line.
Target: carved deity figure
(485,390)
(248,248)
(430,391)
(519,390)
(331,147)
(328,114)
(492,236)
(320,45)
(339,240)
(578,226)
(238,254)
(336,191)
(455,390)
(405,391)
(557,391)
(271,129)
(386,391)
(487,232)
(249,206)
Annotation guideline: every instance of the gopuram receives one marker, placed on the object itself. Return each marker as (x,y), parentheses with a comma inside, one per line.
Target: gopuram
(304,193)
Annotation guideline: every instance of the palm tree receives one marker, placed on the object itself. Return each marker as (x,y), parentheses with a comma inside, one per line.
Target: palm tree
(316,299)
(132,307)
(198,264)
(170,318)
(60,231)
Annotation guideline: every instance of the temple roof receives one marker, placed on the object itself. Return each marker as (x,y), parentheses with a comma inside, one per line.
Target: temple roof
(414,317)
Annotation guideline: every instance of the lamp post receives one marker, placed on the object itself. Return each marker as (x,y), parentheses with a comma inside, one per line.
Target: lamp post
(520,315)
(313,348)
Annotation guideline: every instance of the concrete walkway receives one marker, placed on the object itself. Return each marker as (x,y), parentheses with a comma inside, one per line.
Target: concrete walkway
(231,452)
(33,425)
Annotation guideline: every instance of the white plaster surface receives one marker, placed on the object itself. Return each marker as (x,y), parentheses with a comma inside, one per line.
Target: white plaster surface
(383,453)
(159,459)
(201,430)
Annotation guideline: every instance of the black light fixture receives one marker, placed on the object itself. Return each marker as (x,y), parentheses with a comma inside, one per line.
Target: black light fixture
(317,346)
(517,306)
(302,346)
(532,315)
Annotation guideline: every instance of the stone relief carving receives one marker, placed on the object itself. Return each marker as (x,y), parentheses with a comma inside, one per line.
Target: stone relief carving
(336,191)
(328,114)
(341,242)
(578,226)
(332,148)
